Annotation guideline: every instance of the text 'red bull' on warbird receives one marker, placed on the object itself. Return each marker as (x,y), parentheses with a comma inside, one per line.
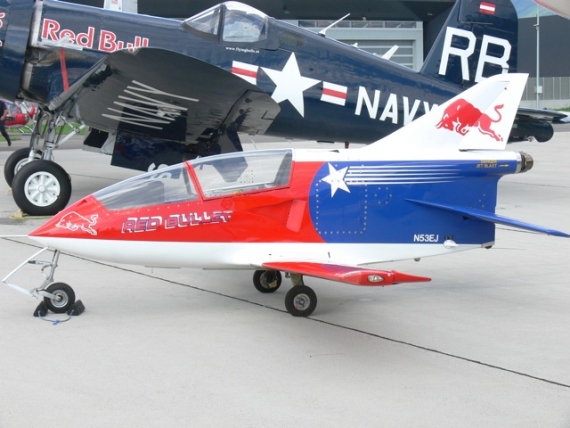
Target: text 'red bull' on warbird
(426,190)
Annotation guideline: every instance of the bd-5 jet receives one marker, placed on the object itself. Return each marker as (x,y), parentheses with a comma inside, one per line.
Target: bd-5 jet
(428,189)
(155,91)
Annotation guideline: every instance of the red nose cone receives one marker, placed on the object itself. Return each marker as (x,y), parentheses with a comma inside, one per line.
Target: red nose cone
(76,221)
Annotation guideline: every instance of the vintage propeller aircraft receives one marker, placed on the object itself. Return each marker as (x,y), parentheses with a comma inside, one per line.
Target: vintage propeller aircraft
(156,90)
(430,188)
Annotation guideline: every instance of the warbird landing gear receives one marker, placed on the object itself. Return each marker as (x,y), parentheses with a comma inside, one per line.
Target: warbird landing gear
(39,185)
(300,301)
(16,161)
(58,297)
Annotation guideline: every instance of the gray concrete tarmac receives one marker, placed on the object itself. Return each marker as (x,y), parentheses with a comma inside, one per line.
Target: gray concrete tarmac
(485,344)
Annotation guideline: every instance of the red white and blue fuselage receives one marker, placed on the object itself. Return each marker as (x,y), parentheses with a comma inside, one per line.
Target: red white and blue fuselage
(333,206)
(428,189)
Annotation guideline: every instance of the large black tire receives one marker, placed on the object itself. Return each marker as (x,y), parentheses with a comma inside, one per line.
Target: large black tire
(41,188)
(267,281)
(300,301)
(15,161)
(64,297)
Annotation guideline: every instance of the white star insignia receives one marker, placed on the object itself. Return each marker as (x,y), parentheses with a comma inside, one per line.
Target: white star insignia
(336,179)
(290,84)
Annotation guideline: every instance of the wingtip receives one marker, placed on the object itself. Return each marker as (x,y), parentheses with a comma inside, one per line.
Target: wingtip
(400,277)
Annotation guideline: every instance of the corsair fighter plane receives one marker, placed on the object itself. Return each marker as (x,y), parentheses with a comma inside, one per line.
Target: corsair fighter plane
(428,189)
(155,91)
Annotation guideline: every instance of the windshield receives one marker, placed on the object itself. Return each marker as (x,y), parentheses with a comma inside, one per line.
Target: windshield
(205,22)
(167,185)
(243,23)
(237,173)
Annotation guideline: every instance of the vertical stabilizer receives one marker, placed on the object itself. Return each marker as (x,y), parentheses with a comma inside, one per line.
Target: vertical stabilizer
(478,40)
(478,119)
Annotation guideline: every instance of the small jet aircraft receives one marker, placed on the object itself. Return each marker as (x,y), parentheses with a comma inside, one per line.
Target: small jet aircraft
(430,188)
(155,91)
(560,7)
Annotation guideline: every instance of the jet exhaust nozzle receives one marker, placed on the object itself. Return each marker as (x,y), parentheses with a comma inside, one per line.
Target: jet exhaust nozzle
(526,162)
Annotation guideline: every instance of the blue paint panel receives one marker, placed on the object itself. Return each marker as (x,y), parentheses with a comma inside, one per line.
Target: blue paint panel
(367,202)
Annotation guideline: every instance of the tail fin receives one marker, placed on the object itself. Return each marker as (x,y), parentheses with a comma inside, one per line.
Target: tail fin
(479,39)
(478,119)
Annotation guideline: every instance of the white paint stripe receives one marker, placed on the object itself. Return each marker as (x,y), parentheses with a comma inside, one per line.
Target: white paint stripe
(239,255)
(249,79)
(333,100)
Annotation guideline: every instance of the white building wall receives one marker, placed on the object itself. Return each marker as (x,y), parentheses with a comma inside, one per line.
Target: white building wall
(377,37)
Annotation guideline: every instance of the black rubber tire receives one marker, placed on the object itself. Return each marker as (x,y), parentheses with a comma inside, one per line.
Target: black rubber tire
(300,301)
(32,178)
(14,163)
(65,297)
(263,278)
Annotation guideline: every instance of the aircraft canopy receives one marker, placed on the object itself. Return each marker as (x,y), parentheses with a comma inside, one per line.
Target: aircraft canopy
(232,21)
(241,172)
(224,175)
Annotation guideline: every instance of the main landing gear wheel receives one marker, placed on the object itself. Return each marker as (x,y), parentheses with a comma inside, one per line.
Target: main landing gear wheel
(300,301)
(267,281)
(64,297)
(41,188)
(15,161)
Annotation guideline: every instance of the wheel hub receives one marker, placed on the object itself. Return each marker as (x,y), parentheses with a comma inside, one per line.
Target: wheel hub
(60,299)
(301,302)
(42,189)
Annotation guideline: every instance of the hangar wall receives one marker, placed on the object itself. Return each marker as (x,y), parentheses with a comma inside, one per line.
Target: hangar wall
(554,61)
(376,37)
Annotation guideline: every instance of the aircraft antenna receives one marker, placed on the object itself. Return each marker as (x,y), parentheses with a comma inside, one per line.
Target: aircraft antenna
(323,32)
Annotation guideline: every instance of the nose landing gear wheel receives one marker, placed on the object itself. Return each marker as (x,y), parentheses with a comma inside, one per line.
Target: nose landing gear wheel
(41,188)
(64,297)
(300,301)
(267,281)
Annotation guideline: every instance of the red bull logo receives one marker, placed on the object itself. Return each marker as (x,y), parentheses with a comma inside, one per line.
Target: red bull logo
(461,116)
(73,221)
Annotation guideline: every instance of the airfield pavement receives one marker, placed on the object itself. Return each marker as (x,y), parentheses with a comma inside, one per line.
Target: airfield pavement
(485,344)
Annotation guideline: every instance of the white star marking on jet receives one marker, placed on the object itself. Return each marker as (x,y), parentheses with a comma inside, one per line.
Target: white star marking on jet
(336,179)
(290,84)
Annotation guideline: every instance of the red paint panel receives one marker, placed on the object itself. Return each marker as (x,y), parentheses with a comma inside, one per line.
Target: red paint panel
(272,215)
(332,93)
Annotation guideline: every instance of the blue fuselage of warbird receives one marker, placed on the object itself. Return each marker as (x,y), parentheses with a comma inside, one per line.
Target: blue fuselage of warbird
(308,79)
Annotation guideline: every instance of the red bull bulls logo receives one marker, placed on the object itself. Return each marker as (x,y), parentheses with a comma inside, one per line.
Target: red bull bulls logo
(73,221)
(461,116)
